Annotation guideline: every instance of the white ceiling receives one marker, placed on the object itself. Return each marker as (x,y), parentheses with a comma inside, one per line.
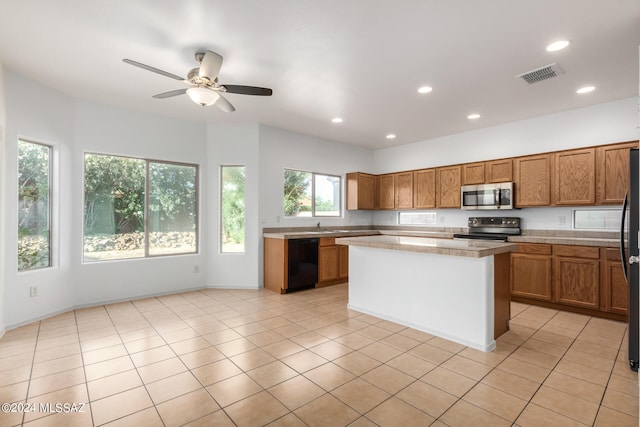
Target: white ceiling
(362,60)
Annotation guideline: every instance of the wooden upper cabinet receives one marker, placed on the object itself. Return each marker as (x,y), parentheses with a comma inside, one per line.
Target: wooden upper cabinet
(612,172)
(533,180)
(403,182)
(424,189)
(473,173)
(386,191)
(498,170)
(448,186)
(361,188)
(575,177)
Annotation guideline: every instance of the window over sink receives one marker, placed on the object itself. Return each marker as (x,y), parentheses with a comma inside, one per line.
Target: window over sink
(310,194)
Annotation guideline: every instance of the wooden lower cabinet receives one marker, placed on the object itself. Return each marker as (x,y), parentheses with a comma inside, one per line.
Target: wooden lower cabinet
(582,279)
(333,262)
(531,272)
(276,264)
(343,265)
(576,276)
(615,292)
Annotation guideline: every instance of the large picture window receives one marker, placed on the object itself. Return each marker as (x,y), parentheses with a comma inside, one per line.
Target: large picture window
(135,208)
(34,206)
(232,208)
(308,194)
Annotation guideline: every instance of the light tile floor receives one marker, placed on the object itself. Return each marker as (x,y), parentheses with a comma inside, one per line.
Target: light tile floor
(253,357)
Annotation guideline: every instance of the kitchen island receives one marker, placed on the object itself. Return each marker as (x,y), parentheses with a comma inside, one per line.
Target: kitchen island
(456,289)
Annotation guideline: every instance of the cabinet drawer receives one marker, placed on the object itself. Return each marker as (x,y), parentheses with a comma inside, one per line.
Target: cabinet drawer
(611,254)
(576,251)
(327,241)
(534,248)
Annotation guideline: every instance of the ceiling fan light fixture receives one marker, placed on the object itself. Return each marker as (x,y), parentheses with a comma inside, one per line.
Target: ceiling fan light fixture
(203,96)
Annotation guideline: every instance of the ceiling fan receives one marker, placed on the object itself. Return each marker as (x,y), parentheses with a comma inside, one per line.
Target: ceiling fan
(205,89)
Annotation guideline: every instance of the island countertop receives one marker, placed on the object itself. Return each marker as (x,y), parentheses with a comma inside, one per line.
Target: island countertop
(465,248)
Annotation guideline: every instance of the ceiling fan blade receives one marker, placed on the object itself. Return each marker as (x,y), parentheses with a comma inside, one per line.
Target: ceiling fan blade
(225,105)
(210,66)
(248,90)
(152,69)
(170,94)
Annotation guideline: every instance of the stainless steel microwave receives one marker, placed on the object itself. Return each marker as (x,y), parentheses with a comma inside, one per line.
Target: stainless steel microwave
(487,196)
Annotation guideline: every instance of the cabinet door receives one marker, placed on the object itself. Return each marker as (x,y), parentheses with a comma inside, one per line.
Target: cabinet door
(403,182)
(575,177)
(448,187)
(499,170)
(473,173)
(328,266)
(360,191)
(533,180)
(386,192)
(343,261)
(424,189)
(531,276)
(577,281)
(615,289)
(612,172)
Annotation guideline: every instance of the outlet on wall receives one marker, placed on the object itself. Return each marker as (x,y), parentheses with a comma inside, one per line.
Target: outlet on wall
(33,291)
(196,268)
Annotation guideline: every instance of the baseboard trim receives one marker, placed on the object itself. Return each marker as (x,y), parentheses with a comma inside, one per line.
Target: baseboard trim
(81,306)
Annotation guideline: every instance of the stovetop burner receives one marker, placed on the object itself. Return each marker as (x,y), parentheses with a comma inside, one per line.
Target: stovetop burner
(491,228)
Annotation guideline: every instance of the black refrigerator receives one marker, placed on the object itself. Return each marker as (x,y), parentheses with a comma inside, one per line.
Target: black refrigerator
(630,253)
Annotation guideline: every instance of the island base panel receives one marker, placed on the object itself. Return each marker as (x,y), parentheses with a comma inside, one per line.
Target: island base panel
(448,296)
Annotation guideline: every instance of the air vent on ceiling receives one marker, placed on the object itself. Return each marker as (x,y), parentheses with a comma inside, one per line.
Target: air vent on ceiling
(540,74)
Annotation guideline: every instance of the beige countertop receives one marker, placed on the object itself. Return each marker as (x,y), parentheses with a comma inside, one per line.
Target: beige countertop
(575,238)
(465,248)
(316,234)
(566,240)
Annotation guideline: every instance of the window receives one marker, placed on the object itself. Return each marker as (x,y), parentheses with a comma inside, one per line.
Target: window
(135,208)
(232,208)
(34,206)
(308,194)
(597,219)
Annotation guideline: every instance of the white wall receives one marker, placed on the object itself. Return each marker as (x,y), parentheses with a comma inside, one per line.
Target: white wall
(38,113)
(3,167)
(266,152)
(600,124)
(108,130)
(280,149)
(233,145)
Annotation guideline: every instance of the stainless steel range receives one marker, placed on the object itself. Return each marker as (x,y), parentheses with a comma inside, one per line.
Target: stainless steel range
(491,228)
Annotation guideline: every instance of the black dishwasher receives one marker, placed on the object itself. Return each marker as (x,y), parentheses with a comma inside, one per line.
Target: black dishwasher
(303,264)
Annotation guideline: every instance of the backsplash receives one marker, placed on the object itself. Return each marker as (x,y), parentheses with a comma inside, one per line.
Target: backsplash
(548,218)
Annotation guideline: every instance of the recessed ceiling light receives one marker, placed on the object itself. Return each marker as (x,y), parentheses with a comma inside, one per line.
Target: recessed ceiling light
(425,89)
(337,120)
(473,116)
(391,136)
(557,45)
(586,89)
